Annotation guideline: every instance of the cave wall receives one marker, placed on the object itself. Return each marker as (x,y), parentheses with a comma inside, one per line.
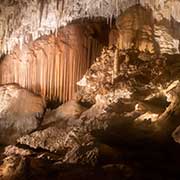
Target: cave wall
(52,65)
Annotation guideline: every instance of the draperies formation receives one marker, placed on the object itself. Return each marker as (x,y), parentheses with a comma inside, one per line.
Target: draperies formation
(52,65)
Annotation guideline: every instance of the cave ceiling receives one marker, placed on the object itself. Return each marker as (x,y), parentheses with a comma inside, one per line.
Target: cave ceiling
(24,20)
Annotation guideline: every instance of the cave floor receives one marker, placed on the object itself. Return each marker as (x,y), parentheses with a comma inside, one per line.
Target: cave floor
(144,161)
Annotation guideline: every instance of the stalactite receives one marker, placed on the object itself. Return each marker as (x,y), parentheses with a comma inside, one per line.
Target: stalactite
(41,9)
(61,78)
(52,65)
(44,16)
(62,4)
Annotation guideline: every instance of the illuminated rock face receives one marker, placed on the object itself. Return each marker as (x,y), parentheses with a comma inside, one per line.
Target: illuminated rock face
(133,78)
(20,112)
(137,28)
(133,60)
(140,82)
(53,64)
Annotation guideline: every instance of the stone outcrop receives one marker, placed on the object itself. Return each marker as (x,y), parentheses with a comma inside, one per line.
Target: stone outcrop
(70,110)
(71,137)
(21,112)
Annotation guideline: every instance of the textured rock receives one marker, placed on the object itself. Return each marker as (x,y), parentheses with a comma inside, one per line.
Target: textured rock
(71,138)
(138,28)
(135,27)
(52,139)
(70,110)
(20,112)
(142,89)
(73,146)
(13,150)
(127,73)
(41,66)
(13,168)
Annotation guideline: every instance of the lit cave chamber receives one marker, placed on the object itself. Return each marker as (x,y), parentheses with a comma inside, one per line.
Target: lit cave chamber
(89,89)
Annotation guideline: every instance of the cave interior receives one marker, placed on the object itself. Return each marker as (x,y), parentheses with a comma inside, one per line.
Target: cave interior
(89,89)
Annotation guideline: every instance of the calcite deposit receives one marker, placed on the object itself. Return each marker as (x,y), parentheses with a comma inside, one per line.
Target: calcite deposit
(51,65)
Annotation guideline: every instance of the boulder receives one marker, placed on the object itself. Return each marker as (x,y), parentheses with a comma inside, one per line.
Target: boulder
(20,112)
(176,134)
(67,111)
(13,167)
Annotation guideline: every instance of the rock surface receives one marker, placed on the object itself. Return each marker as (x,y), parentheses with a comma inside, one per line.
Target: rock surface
(13,168)
(135,31)
(13,150)
(69,110)
(176,135)
(20,112)
(42,64)
(71,138)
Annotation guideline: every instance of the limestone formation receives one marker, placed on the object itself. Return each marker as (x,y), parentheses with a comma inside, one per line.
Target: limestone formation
(13,150)
(140,86)
(51,65)
(70,110)
(21,112)
(135,28)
